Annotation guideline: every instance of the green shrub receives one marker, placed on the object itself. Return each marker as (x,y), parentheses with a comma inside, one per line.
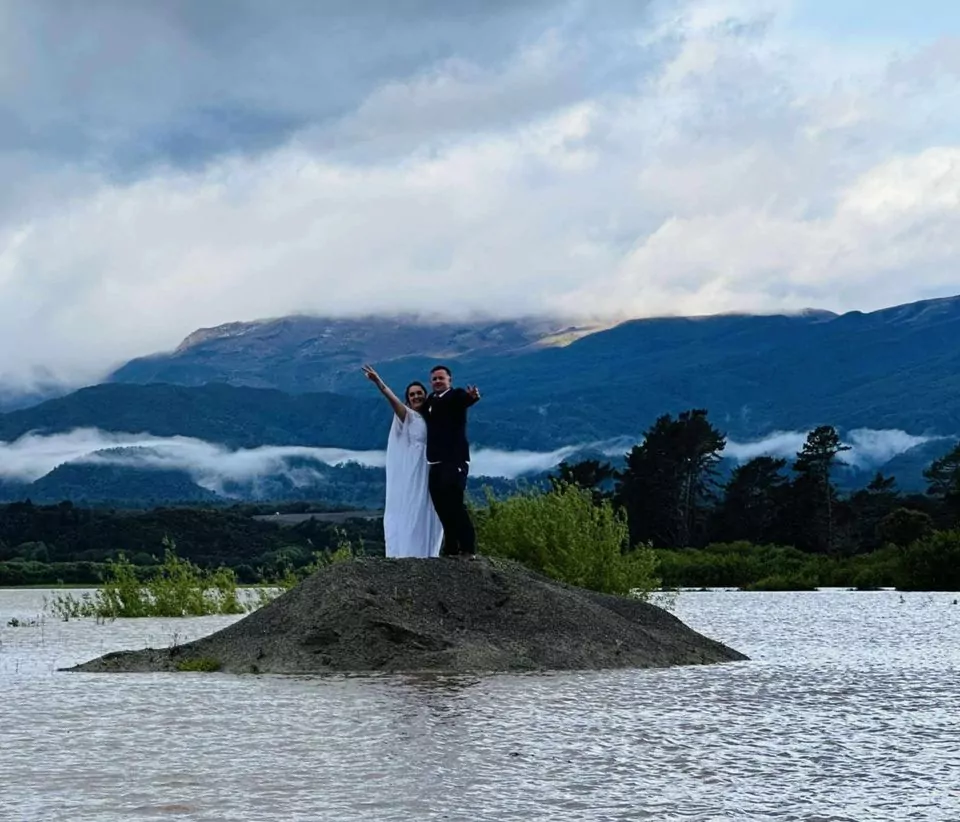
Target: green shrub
(904,526)
(28,572)
(564,535)
(730,565)
(770,567)
(177,588)
(932,563)
(878,569)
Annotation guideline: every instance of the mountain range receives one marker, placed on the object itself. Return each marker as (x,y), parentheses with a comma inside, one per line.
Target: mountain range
(295,381)
(301,354)
(894,368)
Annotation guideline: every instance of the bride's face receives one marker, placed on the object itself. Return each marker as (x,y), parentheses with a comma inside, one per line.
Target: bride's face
(415,397)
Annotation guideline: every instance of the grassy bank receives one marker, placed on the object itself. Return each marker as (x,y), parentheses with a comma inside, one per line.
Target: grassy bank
(930,564)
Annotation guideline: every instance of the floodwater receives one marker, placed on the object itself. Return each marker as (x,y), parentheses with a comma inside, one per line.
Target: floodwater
(848,710)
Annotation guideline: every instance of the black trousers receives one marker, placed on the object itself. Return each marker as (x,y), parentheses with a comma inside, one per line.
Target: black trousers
(448,482)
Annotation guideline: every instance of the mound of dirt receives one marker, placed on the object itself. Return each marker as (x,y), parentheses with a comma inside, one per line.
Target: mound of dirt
(447,615)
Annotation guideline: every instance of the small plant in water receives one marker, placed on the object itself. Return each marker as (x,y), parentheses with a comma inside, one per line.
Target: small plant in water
(17,622)
(665,598)
(202,664)
(68,606)
(178,588)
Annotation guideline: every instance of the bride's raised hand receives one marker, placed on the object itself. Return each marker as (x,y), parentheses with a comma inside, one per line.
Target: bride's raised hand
(398,407)
(372,375)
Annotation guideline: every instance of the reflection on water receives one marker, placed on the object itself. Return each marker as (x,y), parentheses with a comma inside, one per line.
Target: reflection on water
(847,711)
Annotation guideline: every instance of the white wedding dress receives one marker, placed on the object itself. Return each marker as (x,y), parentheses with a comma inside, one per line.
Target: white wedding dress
(411,527)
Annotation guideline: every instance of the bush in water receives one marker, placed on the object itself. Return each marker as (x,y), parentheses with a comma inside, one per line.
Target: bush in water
(178,588)
(564,534)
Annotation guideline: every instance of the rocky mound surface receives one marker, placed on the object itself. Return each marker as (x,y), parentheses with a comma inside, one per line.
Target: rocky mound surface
(449,615)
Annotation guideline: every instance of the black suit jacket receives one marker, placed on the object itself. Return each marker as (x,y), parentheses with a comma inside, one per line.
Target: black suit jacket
(446,417)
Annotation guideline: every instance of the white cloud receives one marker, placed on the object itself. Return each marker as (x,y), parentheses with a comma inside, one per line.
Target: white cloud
(491,462)
(868,448)
(710,160)
(215,467)
(785,444)
(33,455)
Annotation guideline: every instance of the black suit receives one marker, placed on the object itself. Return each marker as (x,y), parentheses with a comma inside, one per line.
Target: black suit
(448,453)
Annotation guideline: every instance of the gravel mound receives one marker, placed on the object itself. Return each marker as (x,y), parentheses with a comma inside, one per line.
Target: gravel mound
(447,615)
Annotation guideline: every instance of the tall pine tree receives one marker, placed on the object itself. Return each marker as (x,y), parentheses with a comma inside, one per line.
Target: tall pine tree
(813,494)
(669,482)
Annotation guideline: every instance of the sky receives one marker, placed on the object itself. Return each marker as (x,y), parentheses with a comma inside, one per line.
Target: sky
(173,165)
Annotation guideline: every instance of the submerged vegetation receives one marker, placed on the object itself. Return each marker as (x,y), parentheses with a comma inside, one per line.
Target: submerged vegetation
(203,664)
(179,588)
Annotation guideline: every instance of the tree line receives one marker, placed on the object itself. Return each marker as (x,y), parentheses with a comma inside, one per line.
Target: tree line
(671,492)
(65,543)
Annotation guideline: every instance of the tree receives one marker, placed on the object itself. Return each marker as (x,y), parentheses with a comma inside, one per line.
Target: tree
(943,483)
(903,527)
(668,484)
(752,501)
(813,493)
(869,506)
(591,475)
(932,563)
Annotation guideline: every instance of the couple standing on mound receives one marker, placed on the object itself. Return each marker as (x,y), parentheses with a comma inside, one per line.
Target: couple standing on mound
(428,459)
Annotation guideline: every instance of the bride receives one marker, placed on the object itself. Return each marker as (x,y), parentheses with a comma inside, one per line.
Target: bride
(411,527)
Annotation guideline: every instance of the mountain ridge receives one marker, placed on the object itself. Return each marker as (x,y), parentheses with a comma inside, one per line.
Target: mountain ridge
(301,353)
(289,354)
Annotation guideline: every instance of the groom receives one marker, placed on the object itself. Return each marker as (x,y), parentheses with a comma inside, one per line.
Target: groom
(448,454)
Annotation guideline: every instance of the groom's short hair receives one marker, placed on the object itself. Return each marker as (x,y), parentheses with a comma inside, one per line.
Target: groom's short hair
(441,368)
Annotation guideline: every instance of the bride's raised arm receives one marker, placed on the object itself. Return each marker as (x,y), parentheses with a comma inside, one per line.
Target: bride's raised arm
(398,407)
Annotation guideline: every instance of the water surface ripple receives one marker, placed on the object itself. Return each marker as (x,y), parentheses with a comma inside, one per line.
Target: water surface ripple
(847,711)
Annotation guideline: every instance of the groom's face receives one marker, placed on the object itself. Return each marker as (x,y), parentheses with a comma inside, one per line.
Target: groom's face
(440,380)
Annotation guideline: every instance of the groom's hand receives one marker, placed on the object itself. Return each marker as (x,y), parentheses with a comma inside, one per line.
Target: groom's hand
(473,392)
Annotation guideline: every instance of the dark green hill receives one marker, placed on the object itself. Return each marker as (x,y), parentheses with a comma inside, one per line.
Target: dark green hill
(84,482)
(65,533)
(898,368)
(240,417)
(895,368)
(233,416)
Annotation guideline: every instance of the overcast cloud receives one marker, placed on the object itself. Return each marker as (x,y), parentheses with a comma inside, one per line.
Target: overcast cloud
(174,165)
